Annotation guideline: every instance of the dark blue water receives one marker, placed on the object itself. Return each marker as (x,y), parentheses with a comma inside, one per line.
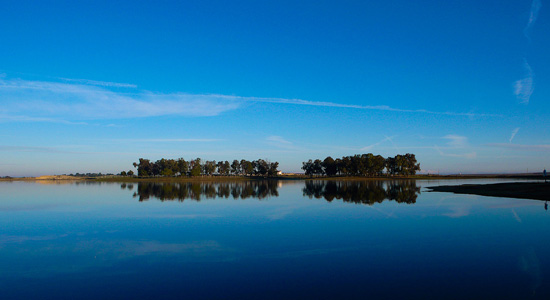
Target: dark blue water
(269,240)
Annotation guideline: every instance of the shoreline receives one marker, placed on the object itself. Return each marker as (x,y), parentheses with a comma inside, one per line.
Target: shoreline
(283,177)
(519,190)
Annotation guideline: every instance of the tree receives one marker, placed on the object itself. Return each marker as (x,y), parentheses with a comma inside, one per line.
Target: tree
(144,167)
(272,171)
(209,167)
(130,173)
(329,166)
(378,165)
(308,168)
(410,164)
(219,167)
(261,167)
(183,166)
(226,168)
(196,168)
(247,167)
(318,167)
(391,166)
(236,167)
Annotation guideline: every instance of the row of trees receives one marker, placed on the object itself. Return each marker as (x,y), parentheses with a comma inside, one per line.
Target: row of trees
(363,165)
(196,167)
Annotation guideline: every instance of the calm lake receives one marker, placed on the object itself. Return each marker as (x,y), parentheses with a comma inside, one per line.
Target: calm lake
(269,240)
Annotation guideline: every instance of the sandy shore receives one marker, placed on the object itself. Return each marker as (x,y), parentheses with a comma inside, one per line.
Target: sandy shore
(522,190)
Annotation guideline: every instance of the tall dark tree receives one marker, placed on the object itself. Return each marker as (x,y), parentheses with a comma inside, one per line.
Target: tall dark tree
(308,167)
(196,168)
(260,167)
(209,167)
(318,167)
(183,167)
(329,166)
(247,167)
(226,167)
(272,171)
(236,167)
(144,167)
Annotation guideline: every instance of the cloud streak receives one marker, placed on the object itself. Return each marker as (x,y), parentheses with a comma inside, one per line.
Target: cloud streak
(363,107)
(45,101)
(281,143)
(523,88)
(520,147)
(456,141)
(470,155)
(514,132)
(168,140)
(99,83)
(369,147)
(35,149)
(533,15)
(79,99)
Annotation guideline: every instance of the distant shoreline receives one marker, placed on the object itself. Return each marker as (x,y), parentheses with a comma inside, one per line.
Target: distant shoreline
(283,177)
(521,190)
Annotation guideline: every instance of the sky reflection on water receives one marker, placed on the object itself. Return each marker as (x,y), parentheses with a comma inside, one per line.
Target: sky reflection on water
(269,240)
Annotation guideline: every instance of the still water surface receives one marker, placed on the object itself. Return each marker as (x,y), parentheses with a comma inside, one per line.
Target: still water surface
(269,240)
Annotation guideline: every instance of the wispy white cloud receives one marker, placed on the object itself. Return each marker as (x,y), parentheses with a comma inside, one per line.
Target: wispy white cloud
(35,149)
(16,118)
(365,107)
(166,140)
(65,149)
(514,132)
(44,101)
(386,139)
(456,141)
(77,100)
(523,88)
(469,155)
(278,139)
(99,83)
(521,147)
(280,142)
(533,15)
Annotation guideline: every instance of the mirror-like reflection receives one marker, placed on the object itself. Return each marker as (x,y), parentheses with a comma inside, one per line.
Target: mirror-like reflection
(360,192)
(196,191)
(100,242)
(363,192)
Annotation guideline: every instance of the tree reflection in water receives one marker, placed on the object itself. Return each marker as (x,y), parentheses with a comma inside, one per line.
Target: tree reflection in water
(197,191)
(363,192)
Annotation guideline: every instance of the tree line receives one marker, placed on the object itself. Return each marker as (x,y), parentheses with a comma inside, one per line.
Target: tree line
(362,165)
(196,167)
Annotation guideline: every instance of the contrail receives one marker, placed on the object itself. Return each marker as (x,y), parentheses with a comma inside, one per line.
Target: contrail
(533,14)
(514,132)
(523,88)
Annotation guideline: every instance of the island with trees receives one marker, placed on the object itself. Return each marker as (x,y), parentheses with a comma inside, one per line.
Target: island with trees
(196,167)
(363,165)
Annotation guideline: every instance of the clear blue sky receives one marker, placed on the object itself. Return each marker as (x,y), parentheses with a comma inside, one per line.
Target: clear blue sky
(91,86)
